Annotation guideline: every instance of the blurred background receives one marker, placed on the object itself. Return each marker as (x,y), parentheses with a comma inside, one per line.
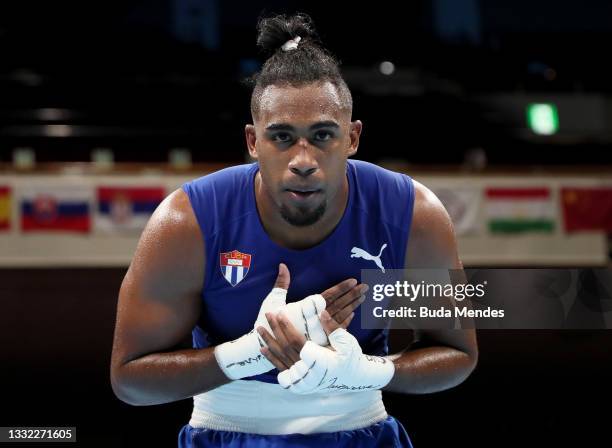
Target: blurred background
(503,108)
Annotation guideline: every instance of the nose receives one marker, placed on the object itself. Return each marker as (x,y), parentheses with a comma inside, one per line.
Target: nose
(303,162)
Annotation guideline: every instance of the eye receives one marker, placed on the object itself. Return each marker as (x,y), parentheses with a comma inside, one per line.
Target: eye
(281,137)
(323,135)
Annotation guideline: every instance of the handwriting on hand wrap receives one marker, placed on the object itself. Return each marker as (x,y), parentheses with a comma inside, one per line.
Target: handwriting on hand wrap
(333,385)
(244,362)
(376,359)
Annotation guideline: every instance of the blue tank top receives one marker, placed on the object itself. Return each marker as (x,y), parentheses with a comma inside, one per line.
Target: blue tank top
(242,261)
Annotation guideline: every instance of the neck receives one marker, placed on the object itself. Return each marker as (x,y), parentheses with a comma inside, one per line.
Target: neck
(298,237)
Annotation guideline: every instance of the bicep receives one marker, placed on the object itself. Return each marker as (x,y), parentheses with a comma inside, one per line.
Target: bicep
(159,299)
(432,245)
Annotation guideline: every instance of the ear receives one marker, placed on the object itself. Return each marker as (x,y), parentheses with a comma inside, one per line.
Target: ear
(354,133)
(251,140)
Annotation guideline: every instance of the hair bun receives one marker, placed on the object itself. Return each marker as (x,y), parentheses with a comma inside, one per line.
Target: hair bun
(274,32)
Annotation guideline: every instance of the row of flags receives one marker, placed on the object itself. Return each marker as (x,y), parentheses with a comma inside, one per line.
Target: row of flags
(518,210)
(109,209)
(499,210)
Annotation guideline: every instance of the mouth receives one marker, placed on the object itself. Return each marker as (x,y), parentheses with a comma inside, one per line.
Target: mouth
(301,194)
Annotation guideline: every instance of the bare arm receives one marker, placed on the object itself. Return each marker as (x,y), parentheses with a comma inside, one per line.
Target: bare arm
(159,304)
(450,355)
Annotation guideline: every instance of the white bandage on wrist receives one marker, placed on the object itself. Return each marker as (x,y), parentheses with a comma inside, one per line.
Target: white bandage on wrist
(346,369)
(241,357)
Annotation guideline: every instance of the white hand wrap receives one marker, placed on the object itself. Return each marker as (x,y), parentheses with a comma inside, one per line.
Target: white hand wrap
(346,369)
(241,357)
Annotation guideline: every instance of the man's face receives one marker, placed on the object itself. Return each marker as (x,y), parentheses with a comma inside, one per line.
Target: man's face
(302,138)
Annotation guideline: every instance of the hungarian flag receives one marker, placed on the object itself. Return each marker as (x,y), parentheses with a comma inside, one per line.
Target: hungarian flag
(63,209)
(126,209)
(587,208)
(517,210)
(5,208)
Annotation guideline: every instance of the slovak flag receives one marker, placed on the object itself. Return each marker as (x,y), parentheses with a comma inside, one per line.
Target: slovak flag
(64,209)
(234,266)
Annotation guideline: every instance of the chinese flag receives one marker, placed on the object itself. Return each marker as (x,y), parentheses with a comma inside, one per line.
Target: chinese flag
(587,208)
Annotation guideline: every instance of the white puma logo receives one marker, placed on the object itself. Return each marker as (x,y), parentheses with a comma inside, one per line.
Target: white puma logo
(357,252)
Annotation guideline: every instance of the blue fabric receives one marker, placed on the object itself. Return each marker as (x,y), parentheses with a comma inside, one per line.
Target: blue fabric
(63,208)
(379,211)
(388,433)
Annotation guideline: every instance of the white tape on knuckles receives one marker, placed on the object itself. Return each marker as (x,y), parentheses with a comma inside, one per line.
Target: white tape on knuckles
(346,369)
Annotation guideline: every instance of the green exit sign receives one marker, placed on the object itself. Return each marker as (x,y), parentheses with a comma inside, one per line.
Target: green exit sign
(543,118)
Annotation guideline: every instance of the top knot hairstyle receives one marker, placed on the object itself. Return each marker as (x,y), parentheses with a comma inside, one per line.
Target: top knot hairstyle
(295,65)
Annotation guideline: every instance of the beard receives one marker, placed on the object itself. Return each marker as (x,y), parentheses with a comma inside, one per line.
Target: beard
(302,217)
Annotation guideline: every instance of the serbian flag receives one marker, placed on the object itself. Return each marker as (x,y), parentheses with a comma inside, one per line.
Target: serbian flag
(587,209)
(126,209)
(519,210)
(5,208)
(62,209)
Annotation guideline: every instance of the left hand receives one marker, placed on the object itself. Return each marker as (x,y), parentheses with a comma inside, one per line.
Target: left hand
(283,348)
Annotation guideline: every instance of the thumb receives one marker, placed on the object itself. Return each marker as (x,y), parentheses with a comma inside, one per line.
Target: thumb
(283,278)
(329,325)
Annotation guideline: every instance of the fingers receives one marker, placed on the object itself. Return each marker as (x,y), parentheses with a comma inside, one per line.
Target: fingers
(275,360)
(345,312)
(283,279)
(344,343)
(315,356)
(341,288)
(346,322)
(284,379)
(281,340)
(329,325)
(273,351)
(293,338)
(284,348)
(295,378)
(347,302)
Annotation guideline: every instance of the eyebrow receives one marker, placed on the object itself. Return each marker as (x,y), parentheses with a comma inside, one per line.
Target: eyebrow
(288,127)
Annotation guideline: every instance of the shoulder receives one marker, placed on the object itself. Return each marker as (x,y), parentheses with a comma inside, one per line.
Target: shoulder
(170,249)
(369,172)
(222,178)
(382,192)
(173,216)
(432,240)
(221,197)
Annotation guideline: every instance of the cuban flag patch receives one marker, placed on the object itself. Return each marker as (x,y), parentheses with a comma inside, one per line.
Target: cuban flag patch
(234,266)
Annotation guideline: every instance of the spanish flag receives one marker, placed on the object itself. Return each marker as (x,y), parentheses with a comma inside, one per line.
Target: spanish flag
(5,208)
